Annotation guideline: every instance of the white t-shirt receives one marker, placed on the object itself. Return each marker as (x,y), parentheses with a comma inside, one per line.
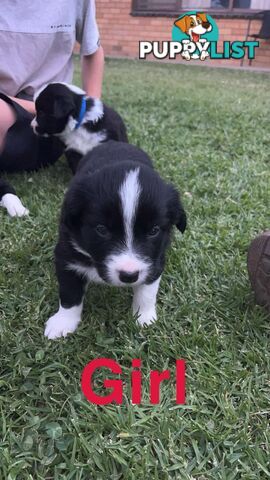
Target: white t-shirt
(37,38)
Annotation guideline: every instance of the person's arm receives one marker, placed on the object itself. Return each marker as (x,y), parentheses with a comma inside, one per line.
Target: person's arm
(92,73)
(27,104)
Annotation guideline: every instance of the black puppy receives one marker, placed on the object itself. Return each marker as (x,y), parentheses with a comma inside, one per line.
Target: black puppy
(80,122)
(115,227)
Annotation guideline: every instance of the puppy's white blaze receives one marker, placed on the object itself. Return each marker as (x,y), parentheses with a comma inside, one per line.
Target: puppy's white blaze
(63,322)
(129,194)
(127,260)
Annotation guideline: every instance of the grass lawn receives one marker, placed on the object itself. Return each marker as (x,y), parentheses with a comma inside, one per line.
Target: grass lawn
(208,132)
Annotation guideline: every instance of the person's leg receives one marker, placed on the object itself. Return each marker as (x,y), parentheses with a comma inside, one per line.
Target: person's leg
(8,197)
(258,263)
(23,150)
(7,119)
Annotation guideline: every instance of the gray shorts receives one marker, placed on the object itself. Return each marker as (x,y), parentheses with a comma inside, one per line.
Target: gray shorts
(24,96)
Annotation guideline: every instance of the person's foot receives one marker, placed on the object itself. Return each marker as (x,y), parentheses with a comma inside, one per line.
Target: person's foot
(258,262)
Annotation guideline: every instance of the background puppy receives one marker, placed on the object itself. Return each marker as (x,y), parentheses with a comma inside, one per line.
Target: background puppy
(79,121)
(115,227)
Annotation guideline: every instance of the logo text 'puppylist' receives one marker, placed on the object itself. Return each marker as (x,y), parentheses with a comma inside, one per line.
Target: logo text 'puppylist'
(194,37)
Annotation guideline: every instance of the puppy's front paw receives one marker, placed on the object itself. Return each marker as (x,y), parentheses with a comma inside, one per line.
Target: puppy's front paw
(13,205)
(186,55)
(61,323)
(204,55)
(147,317)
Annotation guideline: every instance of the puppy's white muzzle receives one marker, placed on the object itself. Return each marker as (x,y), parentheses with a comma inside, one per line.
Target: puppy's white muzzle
(199,29)
(127,269)
(34,125)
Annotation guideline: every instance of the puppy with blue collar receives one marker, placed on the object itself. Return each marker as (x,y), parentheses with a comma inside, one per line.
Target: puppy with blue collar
(80,122)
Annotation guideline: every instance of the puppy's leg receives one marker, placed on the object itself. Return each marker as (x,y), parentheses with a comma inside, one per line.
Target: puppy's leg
(10,201)
(73,159)
(71,292)
(144,302)
(204,55)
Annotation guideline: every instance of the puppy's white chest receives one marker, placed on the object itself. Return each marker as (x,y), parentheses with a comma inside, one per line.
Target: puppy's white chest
(83,141)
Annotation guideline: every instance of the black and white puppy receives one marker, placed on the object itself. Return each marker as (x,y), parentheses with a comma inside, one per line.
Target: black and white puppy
(115,227)
(80,122)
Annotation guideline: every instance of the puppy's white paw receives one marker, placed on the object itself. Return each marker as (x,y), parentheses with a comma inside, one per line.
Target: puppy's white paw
(63,322)
(186,55)
(204,55)
(147,316)
(144,302)
(13,205)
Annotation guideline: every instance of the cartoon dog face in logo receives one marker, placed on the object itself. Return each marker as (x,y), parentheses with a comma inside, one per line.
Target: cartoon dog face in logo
(194,25)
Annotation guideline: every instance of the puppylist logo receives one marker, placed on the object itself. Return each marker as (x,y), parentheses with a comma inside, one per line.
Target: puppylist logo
(195,31)
(195,36)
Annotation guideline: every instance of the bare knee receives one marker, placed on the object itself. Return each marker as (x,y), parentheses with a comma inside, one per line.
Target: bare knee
(7,119)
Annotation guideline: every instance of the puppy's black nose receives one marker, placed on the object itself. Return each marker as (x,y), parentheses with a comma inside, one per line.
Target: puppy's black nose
(128,277)
(206,24)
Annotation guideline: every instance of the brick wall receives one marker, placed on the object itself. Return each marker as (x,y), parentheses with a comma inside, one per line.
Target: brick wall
(120,32)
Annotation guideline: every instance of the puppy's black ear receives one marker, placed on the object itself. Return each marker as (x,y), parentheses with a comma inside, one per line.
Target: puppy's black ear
(176,212)
(73,209)
(63,106)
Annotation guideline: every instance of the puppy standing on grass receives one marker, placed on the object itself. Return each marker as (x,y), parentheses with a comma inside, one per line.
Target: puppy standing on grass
(115,227)
(80,122)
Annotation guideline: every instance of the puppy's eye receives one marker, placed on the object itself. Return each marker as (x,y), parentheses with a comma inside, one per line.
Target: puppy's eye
(199,22)
(102,231)
(154,231)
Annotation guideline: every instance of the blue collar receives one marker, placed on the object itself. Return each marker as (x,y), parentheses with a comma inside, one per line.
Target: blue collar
(81,114)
